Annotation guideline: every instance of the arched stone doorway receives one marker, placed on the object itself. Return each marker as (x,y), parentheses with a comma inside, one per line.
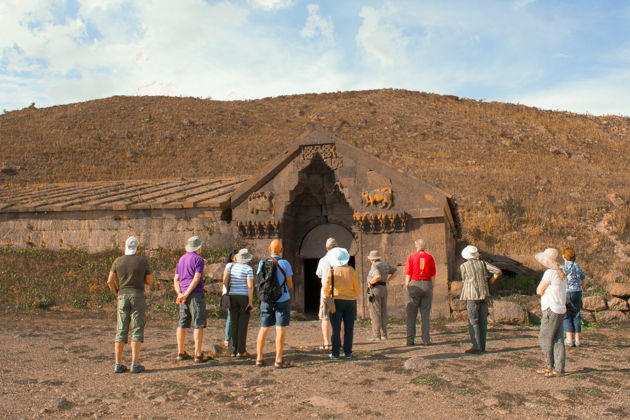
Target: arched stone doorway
(312,248)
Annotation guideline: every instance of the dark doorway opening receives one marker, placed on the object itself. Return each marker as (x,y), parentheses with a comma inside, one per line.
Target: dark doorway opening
(313,285)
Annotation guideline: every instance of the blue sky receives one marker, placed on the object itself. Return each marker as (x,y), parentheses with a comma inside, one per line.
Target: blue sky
(566,55)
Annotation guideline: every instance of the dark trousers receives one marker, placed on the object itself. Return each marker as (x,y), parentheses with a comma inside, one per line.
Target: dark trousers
(477,323)
(572,322)
(419,296)
(346,312)
(238,322)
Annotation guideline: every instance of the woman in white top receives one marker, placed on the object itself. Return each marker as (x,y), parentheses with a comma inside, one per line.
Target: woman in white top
(553,292)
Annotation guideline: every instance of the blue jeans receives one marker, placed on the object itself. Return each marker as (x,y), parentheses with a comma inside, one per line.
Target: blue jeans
(572,322)
(228,323)
(346,311)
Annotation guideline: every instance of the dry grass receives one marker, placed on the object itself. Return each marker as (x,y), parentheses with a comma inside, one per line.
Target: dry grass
(523,179)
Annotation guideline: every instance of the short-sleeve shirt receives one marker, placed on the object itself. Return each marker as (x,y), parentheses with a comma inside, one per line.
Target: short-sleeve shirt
(131,271)
(575,276)
(420,266)
(286,266)
(323,266)
(380,268)
(239,274)
(555,296)
(190,264)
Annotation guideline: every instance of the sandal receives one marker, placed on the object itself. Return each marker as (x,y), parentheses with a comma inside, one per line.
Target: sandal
(282,365)
(325,347)
(260,363)
(202,358)
(543,371)
(183,356)
(553,374)
(244,354)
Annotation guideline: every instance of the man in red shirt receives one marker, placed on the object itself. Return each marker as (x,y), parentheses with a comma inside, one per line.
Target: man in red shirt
(419,273)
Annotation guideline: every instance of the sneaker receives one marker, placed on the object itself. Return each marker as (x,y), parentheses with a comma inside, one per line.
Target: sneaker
(384,337)
(349,356)
(135,368)
(568,343)
(411,343)
(120,368)
(333,357)
(374,338)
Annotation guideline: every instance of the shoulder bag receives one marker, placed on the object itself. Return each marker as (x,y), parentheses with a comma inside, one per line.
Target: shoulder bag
(330,301)
(225,299)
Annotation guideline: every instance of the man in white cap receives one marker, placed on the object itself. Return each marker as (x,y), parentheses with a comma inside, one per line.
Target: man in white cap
(127,279)
(188,284)
(475,291)
(377,294)
(323,266)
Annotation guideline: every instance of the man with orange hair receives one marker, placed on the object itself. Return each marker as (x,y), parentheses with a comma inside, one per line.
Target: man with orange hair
(276,313)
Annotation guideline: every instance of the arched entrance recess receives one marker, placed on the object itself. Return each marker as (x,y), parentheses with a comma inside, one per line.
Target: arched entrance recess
(312,248)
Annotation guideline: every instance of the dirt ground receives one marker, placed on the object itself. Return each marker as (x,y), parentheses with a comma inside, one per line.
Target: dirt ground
(59,364)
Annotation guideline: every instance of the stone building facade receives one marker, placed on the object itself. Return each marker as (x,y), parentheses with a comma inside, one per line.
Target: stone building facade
(318,188)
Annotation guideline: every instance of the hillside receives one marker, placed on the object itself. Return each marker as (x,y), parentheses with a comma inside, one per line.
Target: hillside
(522,178)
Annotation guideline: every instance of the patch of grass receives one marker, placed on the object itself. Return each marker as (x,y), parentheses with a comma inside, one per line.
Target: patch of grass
(211,375)
(396,321)
(364,322)
(79,302)
(368,353)
(431,380)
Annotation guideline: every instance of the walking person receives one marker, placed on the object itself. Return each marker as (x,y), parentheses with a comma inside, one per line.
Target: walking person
(228,320)
(377,278)
(419,274)
(575,284)
(127,279)
(188,284)
(238,278)
(342,285)
(278,312)
(324,316)
(553,291)
(475,291)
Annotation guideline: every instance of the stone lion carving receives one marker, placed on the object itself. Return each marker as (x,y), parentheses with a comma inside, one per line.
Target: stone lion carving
(261,201)
(380,197)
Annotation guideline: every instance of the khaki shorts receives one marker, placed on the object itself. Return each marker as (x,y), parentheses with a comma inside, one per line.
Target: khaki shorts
(131,316)
(323,314)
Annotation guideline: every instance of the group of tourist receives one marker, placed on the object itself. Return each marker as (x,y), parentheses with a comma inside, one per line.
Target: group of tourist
(560,287)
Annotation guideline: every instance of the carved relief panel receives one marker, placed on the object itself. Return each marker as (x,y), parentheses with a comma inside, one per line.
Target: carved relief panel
(381,222)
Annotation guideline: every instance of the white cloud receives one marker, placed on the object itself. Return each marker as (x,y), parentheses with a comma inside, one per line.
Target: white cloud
(272,4)
(379,39)
(316,25)
(606,95)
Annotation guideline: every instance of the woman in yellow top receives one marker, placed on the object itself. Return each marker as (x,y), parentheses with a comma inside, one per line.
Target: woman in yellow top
(345,292)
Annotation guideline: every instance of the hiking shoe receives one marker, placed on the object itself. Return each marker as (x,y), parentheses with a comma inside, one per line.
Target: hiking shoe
(472,350)
(135,368)
(120,368)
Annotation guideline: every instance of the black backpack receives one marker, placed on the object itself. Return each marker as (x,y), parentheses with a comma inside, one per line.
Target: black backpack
(267,287)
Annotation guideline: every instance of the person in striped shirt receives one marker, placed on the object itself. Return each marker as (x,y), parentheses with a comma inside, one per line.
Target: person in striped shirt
(475,291)
(238,278)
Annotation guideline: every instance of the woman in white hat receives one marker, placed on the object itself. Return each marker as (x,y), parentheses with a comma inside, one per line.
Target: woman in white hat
(238,278)
(475,291)
(377,294)
(341,284)
(553,292)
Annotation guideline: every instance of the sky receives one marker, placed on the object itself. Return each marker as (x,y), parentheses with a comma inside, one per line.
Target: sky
(569,55)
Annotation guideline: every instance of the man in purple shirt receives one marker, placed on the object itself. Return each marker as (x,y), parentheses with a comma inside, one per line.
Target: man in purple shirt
(188,284)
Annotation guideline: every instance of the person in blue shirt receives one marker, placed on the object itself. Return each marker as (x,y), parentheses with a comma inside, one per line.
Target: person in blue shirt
(575,283)
(276,313)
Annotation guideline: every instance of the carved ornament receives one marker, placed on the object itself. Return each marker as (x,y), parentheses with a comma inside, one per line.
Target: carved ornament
(381,197)
(381,223)
(258,230)
(261,201)
(327,152)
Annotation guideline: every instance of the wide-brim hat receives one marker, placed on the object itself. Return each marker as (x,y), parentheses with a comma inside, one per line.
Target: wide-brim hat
(374,255)
(549,258)
(338,256)
(193,244)
(243,256)
(131,245)
(470,252)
